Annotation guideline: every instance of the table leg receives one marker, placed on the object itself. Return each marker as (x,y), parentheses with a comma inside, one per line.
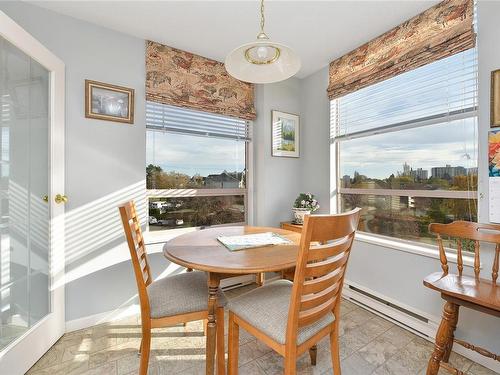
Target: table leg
(213,287)
(259,279)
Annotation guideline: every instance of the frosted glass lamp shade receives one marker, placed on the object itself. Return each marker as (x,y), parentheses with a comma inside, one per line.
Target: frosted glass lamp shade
(262,61)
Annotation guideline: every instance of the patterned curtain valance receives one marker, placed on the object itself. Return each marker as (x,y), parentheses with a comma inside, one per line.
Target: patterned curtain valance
(184,79)
(441,31)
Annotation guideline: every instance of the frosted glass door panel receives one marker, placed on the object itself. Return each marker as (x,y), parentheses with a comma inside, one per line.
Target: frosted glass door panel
(24,214)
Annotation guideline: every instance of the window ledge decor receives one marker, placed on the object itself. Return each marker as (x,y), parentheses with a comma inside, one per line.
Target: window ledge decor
(304,204)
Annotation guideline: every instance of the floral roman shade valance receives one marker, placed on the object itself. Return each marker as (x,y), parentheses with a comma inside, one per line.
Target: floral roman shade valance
(184,79)
(441,31)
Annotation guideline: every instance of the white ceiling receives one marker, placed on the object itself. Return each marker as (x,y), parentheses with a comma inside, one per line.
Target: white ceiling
(319,31)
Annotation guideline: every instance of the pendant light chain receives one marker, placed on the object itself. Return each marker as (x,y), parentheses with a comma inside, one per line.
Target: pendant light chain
(262,17)
(262,61)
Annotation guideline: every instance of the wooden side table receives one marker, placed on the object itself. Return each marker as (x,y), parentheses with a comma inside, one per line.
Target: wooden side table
(288,225)
(285,274)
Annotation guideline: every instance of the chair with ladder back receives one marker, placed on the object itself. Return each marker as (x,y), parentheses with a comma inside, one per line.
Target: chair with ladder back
(168,301)
(457,290)
(292,317)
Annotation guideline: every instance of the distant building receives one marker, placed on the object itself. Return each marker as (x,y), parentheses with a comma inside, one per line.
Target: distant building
(406,169)
(472,171)
(346,181)
(222,181)
(411,202)
(448,172)
(419,174)
(371,199)
(395,203)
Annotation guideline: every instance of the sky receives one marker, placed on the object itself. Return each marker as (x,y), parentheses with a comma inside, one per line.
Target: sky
(194,154)
(381,155)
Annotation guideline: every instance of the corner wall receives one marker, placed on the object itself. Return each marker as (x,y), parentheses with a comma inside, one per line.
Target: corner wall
(277,180)
(315,159)
(392,273)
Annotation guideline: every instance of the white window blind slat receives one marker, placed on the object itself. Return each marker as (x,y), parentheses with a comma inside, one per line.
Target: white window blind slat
(444,88)
(173,119)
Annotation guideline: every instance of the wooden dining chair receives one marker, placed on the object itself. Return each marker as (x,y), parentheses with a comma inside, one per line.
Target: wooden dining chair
(458,289)
(171,300)
(292,317)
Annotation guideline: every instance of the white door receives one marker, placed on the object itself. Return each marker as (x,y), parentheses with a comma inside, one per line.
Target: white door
(31,176)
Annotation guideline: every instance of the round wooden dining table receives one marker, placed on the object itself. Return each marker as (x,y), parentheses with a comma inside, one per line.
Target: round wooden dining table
(200,250)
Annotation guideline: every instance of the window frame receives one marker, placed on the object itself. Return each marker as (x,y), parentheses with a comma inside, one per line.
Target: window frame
(247,193)
(408,246)
(336,189)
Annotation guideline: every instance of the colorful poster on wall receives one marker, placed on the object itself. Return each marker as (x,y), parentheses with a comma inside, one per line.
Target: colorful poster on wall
(494,174)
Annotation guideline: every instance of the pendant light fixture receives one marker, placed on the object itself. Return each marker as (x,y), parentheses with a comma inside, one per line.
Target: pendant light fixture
(262,61)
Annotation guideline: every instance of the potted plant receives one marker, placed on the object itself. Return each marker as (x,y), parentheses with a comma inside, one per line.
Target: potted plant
(304,205)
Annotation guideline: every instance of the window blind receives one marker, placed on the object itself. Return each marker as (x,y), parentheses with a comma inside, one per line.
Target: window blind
(441,31)
(173,119)
(183,79)
(442,91)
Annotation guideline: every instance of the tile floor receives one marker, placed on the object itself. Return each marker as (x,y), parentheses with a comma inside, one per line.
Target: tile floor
(369,345)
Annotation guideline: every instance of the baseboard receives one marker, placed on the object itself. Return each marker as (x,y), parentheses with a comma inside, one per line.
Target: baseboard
(100,318)
(419,323)
(124,312)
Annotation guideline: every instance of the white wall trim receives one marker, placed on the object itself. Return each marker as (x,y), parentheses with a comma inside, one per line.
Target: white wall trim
(414,325)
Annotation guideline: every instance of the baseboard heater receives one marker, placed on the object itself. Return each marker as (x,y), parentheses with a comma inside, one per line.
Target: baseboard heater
(400,315)
(236,282)
(406,317)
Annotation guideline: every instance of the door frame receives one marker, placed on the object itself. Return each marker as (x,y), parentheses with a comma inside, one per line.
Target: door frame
(23,352)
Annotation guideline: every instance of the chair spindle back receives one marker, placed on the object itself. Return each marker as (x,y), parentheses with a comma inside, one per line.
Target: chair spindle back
(466,230)
(135,241)
(324,251)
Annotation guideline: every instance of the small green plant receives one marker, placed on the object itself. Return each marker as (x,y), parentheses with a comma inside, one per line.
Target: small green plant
(306,200)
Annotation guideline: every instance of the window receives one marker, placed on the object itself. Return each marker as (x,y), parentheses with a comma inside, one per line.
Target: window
(406,149)
(196,168)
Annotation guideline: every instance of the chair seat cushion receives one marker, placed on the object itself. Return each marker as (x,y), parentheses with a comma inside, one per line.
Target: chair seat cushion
(476,291)
(266,308)
(180,294)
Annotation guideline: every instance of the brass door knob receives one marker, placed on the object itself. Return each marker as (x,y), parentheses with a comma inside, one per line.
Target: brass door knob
(61,199)
(45,198)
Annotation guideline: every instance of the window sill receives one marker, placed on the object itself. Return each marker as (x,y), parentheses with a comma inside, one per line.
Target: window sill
(412,248)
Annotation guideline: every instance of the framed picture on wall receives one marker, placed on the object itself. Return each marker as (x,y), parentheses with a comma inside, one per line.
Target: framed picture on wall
(495,98)
(285,136)
(109,102)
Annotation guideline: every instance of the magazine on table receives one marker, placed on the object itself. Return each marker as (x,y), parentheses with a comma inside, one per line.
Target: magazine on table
(249,241)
